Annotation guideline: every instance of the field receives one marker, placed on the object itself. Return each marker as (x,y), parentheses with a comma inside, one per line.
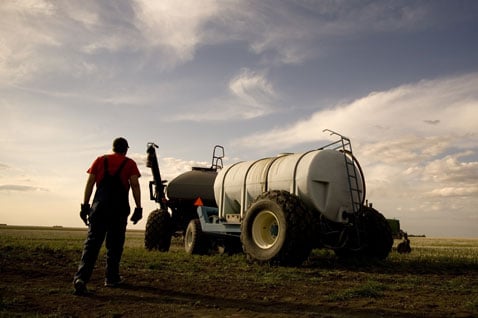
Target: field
(438,279)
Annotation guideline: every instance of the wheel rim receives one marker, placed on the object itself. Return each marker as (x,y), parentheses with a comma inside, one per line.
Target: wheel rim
(265,229)
(189,238)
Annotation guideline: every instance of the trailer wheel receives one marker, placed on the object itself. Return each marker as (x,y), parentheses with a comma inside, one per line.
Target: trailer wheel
(375,236)
(158,233)
(378,234)
(195,241)
(277,229)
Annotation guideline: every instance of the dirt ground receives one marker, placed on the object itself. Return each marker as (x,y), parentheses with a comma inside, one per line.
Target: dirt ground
(40,285)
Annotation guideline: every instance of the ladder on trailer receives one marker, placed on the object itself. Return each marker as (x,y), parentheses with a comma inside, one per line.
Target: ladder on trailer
(344,145)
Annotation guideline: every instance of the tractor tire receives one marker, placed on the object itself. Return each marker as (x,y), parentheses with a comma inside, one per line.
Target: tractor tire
(277,229)
(376,237)
(158,233)
(195,242)
(378,234)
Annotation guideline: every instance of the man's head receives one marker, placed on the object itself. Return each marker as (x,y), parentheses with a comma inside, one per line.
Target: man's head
(120,145)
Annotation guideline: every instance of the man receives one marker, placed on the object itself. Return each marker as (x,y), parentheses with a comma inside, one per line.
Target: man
(107,217)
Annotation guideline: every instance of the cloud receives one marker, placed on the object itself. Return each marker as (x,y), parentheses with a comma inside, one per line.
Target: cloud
(41,39)
(385,115)
(454,192)
(406,149)
(175,27)
(20,188)
(252,95)
(172,167)
(451,170)
(414,174)
(252,88)
(288,32)
(18,60)
(88,39)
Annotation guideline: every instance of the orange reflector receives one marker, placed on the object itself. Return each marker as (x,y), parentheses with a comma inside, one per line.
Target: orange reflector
(198,202)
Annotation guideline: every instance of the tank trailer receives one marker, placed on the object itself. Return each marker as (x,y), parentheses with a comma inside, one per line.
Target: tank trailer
(275,210)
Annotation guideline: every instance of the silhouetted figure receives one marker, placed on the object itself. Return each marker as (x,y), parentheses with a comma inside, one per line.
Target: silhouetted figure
(113,174)
(404,246)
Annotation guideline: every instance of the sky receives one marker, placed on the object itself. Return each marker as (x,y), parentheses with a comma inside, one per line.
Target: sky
(399,78)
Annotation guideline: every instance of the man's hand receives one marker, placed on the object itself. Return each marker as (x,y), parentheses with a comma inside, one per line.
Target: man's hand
(85,212)
(137,215)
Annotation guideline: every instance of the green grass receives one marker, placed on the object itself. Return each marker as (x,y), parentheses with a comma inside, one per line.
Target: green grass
(428,254)
(438,254)
(370,289)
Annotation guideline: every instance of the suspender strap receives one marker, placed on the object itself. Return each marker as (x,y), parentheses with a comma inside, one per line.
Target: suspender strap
(105,161)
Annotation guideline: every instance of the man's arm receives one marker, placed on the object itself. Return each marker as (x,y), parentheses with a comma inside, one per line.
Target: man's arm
(90,183)
(135,188)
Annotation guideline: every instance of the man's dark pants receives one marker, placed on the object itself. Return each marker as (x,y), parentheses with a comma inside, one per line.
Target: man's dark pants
(103,226)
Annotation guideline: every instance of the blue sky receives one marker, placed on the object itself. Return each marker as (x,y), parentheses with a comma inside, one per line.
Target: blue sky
(399,78)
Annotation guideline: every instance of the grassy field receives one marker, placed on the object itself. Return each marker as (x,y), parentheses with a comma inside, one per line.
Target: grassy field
(438,279)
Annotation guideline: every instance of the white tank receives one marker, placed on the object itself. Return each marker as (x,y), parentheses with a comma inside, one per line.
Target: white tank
(318,177)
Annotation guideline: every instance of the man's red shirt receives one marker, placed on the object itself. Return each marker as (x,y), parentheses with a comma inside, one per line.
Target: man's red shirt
(114,161)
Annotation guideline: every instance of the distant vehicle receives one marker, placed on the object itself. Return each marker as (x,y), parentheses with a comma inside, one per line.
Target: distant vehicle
(397,233)
(275,210)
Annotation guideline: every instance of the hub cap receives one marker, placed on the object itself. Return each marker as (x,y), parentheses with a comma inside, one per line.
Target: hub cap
(265,229)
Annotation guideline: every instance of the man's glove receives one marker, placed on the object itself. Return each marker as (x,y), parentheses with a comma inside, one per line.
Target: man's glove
(85,212)
(137,215)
